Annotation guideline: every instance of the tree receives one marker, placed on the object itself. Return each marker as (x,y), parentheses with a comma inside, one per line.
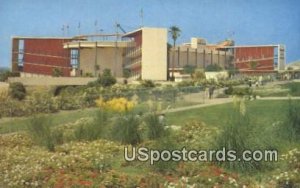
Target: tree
(106,79)
(175,33)
(17,90)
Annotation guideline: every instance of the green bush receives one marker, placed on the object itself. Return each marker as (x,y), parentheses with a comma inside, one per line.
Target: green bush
(290,129)
(5,74)
(213,68)
(41,102)
(239,91)
(17,90)
(106,79)
(294,88)
(163,143)
(237,136)
(155,126)
(41,134)
(147,83)
(186,83)
(189,69)
(126,129)
(93,130)
(57,72)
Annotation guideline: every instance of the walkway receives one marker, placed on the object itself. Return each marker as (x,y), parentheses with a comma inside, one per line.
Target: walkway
(217,101)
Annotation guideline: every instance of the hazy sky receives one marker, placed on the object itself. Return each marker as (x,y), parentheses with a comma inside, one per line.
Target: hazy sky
(246,21)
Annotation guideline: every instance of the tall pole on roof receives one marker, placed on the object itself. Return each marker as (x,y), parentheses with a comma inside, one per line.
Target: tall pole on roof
(142,17)
(63,30)
(67,27)
(95,24)
(78,27)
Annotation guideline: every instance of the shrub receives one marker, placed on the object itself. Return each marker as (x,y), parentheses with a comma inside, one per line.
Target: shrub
(166,142)
(126,129)
(155,126)
(290,129)
(186,83)
(239,91)
(106,79)
(5,74)
(57,72)
(93,130)
(189,69)
(199,75)
(213,68)
(116,104)
(147,83)
(17,90)
(236,136)
(40,102)
(126,73)
(39,130)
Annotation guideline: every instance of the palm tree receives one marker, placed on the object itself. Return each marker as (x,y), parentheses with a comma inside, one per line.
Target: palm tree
(175,33)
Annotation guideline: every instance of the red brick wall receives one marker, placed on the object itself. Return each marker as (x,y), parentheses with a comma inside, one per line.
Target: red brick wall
(263,56)
(41,56)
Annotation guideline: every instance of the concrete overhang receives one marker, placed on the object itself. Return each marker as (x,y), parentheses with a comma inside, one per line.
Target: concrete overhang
(99,44)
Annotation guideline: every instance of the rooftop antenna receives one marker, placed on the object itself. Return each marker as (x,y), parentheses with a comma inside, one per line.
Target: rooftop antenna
(142,17)
(78,27)
(67,26)
(63,30)
(230,34)
(116,47)
(95,24)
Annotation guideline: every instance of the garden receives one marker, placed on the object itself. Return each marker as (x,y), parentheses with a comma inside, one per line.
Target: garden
(75,136)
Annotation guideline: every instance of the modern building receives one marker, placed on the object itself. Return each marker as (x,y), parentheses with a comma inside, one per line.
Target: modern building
(258,59)
(199,54)
(91,54)
(141,53)
(35,56)
(255,59)
(147,56)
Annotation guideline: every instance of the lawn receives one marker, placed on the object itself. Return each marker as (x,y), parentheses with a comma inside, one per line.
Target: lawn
(83,163)
(262,112)
(9,125)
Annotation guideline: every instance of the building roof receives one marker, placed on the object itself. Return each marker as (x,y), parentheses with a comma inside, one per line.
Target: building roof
(37,37)
(139,30)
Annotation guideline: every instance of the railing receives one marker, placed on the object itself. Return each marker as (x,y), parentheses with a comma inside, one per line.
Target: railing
(134,52)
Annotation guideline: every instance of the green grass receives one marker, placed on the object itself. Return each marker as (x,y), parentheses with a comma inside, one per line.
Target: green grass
(294,88)
(262,112)
(9,125)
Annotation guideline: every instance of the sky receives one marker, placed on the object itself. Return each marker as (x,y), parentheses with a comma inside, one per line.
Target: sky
(247,22)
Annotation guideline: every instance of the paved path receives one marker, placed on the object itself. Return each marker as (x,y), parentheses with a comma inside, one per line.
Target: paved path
(208,102)
(217,101)
(277,98)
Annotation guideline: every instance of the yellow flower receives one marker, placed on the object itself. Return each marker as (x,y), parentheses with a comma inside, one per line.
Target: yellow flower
(116,104)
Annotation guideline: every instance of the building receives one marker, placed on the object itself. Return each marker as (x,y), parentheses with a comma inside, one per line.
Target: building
(199,54)
(142,52)
(258,59)
(91,54)
(35,56)
(250,59)
(147,57)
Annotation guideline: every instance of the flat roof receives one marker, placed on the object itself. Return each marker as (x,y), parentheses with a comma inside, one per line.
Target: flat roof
(140,29)
(35,37)
(251,46)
